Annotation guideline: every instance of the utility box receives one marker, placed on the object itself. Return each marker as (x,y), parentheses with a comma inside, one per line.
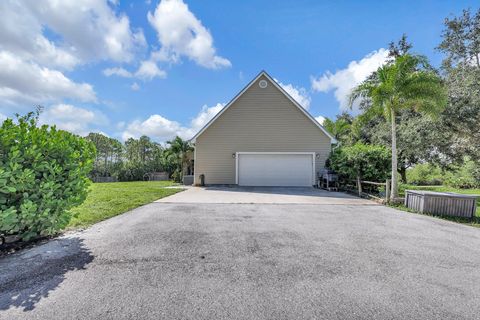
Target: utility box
(187,180)
(441,203)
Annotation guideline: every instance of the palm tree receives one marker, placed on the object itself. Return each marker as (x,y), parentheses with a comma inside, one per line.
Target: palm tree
(340,128)
(182,150)
(407,82)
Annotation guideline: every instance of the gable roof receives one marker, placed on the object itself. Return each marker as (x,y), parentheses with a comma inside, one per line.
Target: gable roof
(295,103)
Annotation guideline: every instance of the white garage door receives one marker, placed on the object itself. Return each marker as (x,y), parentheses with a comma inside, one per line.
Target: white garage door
(275,169)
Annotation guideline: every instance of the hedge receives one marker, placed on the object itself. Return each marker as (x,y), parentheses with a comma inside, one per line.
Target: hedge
(43,174)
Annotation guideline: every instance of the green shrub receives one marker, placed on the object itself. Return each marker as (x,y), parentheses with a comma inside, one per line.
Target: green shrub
(369,162)
(466,176)
(463,176)
(425,174)
(43,174)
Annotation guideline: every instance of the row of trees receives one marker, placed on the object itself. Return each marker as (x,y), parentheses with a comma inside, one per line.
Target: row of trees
(421,114)
(135,158)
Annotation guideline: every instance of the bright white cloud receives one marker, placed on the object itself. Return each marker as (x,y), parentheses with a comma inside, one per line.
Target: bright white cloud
(121,72)
(344,80)
(180,33)
(320,119)
(22,33)
(43,38)
(74,119)
(87,30)
(163,129)
(205,115)
(27,82)
(148,70)
(299,94)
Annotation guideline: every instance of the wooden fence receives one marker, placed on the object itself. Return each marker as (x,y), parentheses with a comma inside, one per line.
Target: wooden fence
(361,191)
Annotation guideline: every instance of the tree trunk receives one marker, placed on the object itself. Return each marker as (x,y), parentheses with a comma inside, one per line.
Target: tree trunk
(394,191)
(403,173)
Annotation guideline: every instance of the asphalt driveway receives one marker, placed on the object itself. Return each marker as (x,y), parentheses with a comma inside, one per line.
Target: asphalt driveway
(250,261)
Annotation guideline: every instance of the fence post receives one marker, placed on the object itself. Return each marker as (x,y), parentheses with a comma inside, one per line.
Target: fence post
(387,191)
(359,186)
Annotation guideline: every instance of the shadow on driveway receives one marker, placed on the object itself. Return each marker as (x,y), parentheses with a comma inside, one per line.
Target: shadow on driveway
(27,277)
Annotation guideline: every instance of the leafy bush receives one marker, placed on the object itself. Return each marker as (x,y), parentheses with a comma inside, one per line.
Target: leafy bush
(43,174)
(369,162)
(463,176)
(425,174)
(466,176)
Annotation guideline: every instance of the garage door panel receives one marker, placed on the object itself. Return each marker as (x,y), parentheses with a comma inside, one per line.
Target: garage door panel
(275,170)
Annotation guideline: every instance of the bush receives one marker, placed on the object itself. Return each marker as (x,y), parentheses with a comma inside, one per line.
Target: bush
(369,162)
(465,176)
(43,174)
(425,174)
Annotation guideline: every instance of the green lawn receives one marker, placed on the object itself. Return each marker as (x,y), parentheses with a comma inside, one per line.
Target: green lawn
(475,222)
(106,200)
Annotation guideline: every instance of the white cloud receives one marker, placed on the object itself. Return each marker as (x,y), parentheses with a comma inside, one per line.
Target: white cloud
(86,29)
(320,119)
(156,126)
(180,33)
(74,119)
(27,82)
(162,129)
(205,115)
(135,86)
(43,38)
(2,118)
(121,72)
(344,80)
(299,94)
(148,70)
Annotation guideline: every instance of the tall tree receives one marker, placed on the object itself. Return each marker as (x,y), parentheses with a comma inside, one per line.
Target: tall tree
(407,82)
(402,47)
(461,45)
(419,139)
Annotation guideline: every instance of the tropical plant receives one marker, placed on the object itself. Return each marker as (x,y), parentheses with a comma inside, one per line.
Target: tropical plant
(341,128)
(407,82)
(43,174)
(178,156)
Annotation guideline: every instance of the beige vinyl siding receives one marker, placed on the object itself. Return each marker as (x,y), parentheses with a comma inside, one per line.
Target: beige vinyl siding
(260,120)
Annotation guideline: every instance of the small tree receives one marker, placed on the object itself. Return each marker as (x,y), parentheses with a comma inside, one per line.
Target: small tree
(178,156)
(43,174)
(361,162)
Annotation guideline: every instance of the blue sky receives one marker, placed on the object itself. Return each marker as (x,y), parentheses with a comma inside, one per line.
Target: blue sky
(162,68)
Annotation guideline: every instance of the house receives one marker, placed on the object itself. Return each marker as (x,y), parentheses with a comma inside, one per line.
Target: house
(263,137)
